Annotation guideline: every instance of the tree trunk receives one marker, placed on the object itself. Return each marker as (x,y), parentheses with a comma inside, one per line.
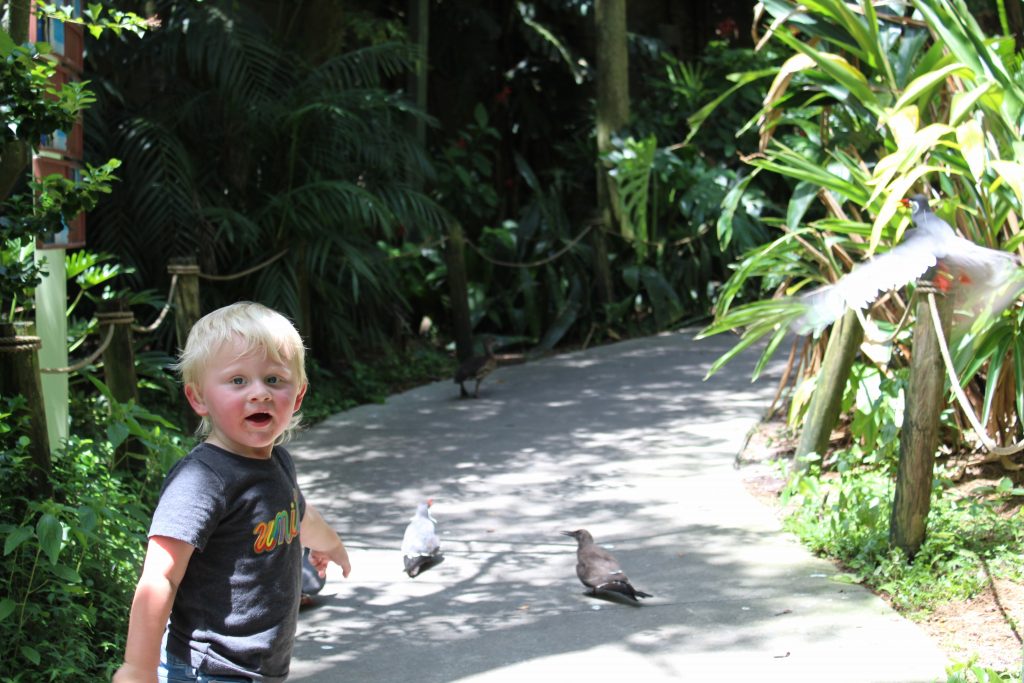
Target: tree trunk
(419,33)
(458,290)
(15,156)
(920,434)
(612,67)
(826,403)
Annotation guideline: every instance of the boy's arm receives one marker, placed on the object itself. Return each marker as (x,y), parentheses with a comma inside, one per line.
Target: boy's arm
(162,571)
(321,539)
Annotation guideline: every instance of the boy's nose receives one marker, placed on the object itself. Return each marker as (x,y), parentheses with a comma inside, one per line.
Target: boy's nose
(260,392)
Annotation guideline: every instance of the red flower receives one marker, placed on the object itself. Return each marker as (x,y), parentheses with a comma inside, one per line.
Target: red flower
(503,95)
(461,143)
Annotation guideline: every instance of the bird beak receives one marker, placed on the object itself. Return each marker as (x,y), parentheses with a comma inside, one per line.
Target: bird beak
(905,202)
(567,533)
(430,501)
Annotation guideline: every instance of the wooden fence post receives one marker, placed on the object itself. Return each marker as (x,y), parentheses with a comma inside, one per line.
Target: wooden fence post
(19,376)
(920,433)
(119,371)
(826,403)
(186,296)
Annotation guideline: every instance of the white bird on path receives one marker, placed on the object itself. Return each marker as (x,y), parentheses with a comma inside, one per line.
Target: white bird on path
(977,271)
(421,548)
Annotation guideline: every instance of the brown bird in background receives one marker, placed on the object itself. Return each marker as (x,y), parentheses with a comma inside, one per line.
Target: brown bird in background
(599,570)
(476,368)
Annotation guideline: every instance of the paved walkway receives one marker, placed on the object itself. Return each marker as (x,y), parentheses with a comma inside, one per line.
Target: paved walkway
(627,441)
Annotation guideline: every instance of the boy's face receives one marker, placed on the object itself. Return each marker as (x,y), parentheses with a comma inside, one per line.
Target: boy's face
(248,399)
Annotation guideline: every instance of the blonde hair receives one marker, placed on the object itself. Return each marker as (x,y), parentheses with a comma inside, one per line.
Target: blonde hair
(260,328)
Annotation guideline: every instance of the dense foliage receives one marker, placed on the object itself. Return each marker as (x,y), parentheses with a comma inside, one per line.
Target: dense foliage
(282,135)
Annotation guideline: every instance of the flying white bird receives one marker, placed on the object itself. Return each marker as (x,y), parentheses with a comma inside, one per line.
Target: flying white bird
(976,271)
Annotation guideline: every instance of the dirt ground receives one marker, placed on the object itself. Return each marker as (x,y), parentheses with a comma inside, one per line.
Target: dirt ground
(988,627)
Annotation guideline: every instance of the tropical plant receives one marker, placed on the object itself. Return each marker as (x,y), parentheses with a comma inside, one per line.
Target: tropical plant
(872,103)
(238,148)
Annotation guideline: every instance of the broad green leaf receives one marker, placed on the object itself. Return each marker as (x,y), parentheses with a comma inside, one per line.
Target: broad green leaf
(66,573)
(7,45)
(6,607)
(16,538)
(51,536)
(117,432)
(963,102)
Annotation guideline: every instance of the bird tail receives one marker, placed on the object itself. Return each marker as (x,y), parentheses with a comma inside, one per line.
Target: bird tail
(624,588)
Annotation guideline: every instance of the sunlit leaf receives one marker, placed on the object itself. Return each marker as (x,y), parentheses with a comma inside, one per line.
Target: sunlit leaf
(971,138)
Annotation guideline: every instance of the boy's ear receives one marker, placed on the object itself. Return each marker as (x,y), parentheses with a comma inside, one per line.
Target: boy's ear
(299,396)
(195,399)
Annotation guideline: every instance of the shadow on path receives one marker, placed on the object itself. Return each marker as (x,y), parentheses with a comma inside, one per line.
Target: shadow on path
(627,441)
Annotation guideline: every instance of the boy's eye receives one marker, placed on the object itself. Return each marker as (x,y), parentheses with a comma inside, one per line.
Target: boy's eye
(237,380)
(273,379)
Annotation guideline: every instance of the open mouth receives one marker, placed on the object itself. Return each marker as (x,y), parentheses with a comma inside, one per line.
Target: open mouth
(259,419)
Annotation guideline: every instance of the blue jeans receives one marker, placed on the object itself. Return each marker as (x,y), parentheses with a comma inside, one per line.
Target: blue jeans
(176,670)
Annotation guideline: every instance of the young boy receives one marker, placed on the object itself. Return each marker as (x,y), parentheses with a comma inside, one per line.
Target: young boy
(218,598)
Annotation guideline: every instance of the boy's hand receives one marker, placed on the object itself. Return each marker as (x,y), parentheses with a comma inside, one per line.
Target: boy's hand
(338,555)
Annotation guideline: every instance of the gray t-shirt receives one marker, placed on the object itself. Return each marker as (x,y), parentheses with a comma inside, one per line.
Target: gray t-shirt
(237,606)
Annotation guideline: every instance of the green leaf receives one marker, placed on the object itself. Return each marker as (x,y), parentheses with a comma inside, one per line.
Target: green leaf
(16,538)
(66,573)
(701,115)
(51,536)
(6,44)
(6,607)
(117,432)
(480,115)
(31,654)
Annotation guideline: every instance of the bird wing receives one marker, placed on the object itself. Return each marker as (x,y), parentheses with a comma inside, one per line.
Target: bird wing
(857,289)
(596,566)
(420,538)
(980,265)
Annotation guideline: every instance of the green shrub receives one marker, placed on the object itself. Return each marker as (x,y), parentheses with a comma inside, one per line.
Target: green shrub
(70,563)
(845,515)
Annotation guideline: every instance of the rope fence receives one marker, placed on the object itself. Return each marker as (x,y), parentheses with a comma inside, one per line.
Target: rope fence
(110,320)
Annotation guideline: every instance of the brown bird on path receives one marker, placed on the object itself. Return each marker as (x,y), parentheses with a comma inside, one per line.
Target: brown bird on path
(476,367)
(599,570)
